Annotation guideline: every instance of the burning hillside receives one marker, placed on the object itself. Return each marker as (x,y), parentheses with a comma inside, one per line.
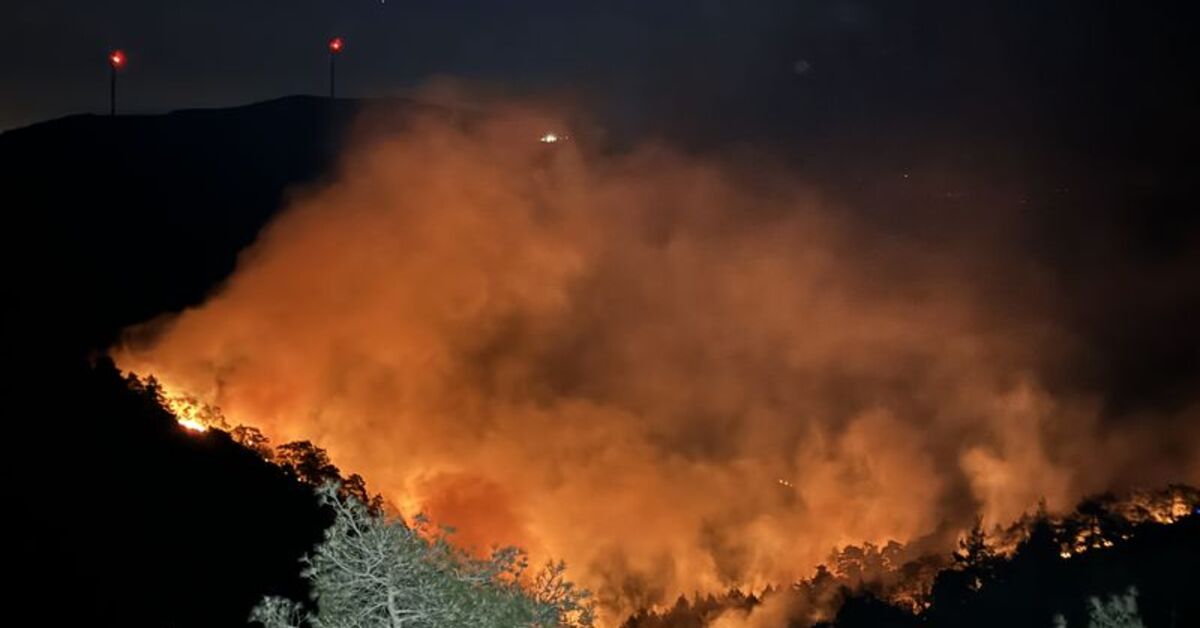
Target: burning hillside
(672,374)
(906,578)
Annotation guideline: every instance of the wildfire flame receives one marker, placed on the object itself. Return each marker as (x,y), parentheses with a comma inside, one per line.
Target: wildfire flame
(194,426)
(191,413)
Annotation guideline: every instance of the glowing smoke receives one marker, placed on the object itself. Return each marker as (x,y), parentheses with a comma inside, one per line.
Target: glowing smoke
(672,374)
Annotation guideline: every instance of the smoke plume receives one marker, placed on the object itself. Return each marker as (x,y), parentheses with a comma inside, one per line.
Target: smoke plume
(678,373)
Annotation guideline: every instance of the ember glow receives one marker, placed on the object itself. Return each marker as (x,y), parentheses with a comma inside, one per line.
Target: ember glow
(673,378)
(192,414)
(192,425)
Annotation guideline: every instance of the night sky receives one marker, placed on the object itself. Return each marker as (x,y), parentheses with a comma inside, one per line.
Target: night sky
(1081,115)
(774,66)
(1078,117)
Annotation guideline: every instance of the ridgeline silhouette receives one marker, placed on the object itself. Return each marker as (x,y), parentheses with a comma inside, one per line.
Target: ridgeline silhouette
(124,519)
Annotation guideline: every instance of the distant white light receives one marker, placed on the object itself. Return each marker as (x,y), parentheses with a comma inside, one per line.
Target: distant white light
(549,138)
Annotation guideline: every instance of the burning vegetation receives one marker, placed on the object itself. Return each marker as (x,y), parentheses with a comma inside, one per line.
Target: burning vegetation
(674,374)
(995,578)
(893,580)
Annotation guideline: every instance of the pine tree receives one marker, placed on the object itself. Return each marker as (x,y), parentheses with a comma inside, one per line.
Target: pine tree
(373,571)
(975,557)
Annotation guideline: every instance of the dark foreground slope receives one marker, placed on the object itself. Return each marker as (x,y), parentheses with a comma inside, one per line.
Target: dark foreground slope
(123,518)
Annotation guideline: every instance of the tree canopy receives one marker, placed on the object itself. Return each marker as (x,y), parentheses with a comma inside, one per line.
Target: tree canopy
(378,571)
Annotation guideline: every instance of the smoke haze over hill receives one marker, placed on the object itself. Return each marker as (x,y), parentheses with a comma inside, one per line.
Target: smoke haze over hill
(678,372)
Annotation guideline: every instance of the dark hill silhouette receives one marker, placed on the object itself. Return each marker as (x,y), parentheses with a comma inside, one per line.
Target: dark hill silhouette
(127,217)
(128,520)
(123,518)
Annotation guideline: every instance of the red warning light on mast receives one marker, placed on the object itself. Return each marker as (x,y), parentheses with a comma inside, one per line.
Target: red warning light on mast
(335,45)
(116,58)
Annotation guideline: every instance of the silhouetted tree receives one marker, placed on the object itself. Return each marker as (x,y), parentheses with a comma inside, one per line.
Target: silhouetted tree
(974,557)
(253,439)
(307,463)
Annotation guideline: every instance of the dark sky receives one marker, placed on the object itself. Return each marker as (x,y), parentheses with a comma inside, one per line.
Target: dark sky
(1083,115)
(808,65)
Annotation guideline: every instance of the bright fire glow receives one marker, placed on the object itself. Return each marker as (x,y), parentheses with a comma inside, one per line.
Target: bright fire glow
(192,425)
(192,414)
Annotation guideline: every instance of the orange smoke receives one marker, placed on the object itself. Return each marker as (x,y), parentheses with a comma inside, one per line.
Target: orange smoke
(674,375)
